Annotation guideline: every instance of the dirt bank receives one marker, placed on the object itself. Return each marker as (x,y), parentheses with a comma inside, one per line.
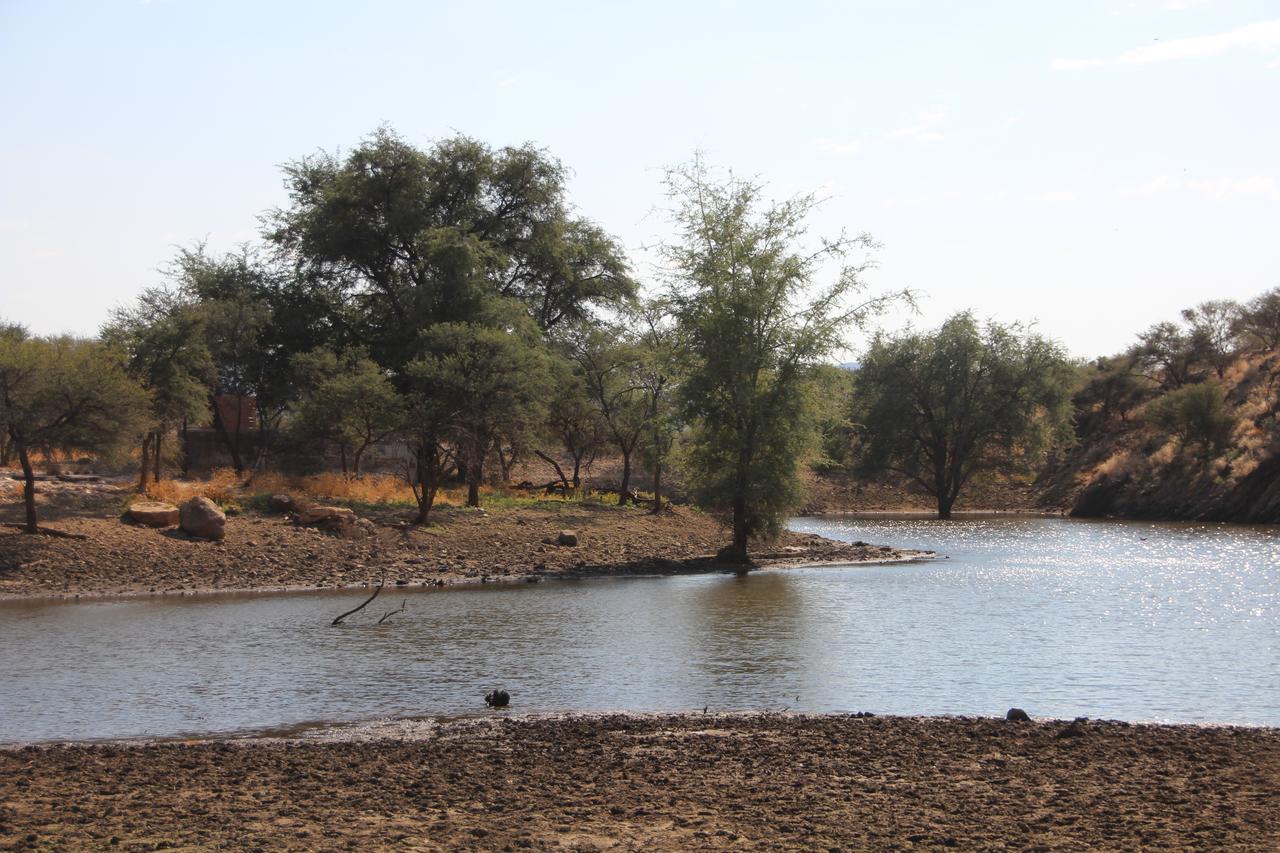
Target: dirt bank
(835,491)
(269,552)
(670,782)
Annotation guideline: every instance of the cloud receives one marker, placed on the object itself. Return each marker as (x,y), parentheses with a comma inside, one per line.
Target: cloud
(1184,5)
(827,145)
(1218,189)
(1274,64)
(1263,35)
(925,128)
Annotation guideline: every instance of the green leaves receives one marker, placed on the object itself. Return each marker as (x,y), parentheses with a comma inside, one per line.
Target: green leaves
(755,320)
(938,407)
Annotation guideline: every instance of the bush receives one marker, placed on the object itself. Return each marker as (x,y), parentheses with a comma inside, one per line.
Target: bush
(1195,414)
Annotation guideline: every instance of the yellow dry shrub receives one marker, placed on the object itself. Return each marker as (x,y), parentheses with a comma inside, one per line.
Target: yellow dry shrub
(371,488)
(1165,454)
(223,486)
(1117,465)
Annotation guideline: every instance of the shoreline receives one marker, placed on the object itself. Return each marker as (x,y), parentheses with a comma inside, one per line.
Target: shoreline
(717,780)
(427,727)
(902,556)
(268,553)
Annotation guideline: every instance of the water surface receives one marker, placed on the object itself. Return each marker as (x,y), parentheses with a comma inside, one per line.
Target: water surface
(1105,619)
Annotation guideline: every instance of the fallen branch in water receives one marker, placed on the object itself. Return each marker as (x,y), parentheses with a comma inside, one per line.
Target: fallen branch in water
(391,613)
(378,589)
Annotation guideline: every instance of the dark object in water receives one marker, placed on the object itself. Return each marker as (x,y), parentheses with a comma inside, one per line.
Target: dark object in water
(497,698)
(1017,715)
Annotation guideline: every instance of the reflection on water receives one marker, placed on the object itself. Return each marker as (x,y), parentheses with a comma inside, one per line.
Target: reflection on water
(1063,617)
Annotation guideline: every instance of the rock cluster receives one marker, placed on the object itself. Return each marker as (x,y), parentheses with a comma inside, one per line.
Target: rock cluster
(336,519)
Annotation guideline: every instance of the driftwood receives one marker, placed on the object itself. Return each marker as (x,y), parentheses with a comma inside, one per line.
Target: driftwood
(381,582)
(390,613)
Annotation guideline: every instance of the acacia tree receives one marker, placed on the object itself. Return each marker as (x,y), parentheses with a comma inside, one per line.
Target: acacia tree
(1213,327)
(573,422)
(610,366)
(162,338)
(754,321)
(64,394)
(1259,320)
(413,237)
(940,407)
(346,400)
(477,383)
(657,374)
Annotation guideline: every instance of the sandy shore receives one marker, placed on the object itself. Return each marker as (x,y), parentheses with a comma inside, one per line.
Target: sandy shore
(670,782)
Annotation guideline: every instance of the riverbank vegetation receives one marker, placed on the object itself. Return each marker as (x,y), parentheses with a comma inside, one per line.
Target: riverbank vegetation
(443,315)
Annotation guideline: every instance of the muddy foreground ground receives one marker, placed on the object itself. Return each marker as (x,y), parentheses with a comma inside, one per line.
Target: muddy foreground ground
(663,782)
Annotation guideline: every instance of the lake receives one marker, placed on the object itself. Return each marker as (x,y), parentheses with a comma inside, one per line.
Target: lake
(1063,617)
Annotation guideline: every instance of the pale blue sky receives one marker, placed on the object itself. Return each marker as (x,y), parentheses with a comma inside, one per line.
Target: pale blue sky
(1096,165)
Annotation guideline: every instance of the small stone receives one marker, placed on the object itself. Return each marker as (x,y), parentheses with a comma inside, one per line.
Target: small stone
(567,538)
(1017,715)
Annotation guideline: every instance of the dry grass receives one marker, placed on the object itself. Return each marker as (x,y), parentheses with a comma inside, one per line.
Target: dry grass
(227,488)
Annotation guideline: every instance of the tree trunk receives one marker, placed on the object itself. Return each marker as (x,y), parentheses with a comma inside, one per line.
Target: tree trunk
(944,506)
(355,464)
(428,476)
(342,453)
(155,461)
(738,550)
(28,484)
(564,481)
(625,491)
(577,467)
(657,487)
(186,450)
(142,470)
(474,471)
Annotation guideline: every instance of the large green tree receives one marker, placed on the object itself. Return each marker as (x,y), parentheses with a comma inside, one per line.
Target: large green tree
(162,339)
(345,400)
(476,384)
(940,407)
(414,237)
(754,320)
(64,394)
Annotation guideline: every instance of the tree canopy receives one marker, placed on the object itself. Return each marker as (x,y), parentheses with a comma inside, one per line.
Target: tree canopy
(753,321)
(939,407)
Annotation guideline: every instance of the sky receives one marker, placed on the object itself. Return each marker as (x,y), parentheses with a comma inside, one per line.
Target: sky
(1091,166)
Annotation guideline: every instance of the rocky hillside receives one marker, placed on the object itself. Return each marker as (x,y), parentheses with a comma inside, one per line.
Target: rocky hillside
(1203,445)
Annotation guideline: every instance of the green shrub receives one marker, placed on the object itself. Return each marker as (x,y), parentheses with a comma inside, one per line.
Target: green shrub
(1194,414)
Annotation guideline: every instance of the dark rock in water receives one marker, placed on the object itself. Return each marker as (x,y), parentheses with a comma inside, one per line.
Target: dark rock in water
(497,698)
(1017,715)
(862,715)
